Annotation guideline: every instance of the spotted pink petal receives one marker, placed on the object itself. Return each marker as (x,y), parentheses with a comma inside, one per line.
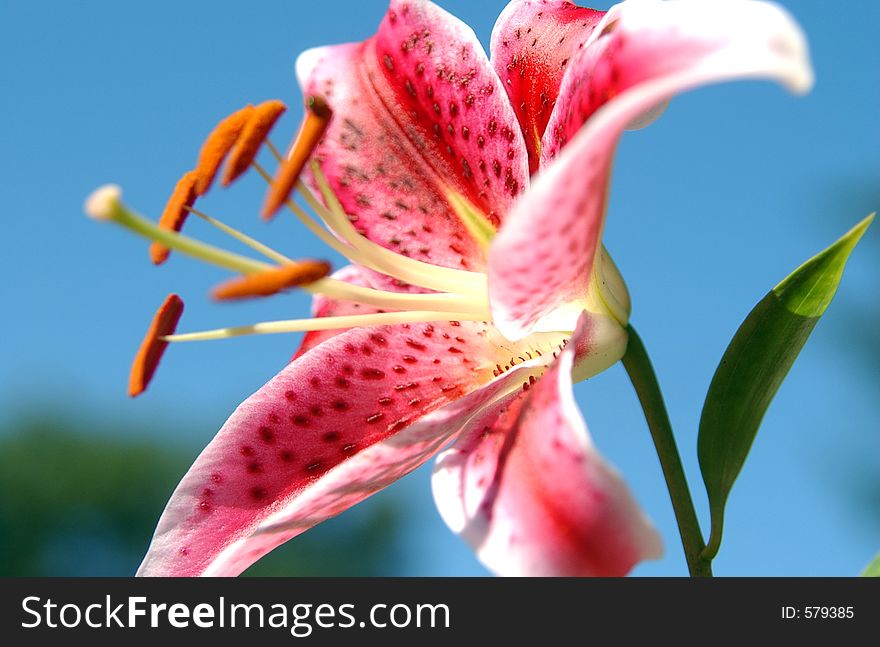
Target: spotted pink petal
(644,52)
(531,495)
(323,411)
(532,44)
(418,112)
(323,306)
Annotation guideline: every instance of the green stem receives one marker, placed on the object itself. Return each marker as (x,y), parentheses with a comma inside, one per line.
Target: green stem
(641,374)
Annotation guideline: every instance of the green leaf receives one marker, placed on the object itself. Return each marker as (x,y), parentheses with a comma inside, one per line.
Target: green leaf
(754,366)
(872,569)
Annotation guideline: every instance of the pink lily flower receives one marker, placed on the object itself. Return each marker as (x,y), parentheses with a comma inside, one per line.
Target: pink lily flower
(472,190)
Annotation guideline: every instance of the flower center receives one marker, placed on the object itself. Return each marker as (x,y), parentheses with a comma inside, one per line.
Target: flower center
(454,295)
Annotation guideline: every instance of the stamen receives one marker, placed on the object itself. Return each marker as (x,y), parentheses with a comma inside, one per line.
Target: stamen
(275,152)
(311,131)
(440,302)
(322,323)
(217,146)
(248,144)
(384,260)
(174,215)
(243,238)
(264,284)
(378,258)
(342,290)
(154,344)
(325,236)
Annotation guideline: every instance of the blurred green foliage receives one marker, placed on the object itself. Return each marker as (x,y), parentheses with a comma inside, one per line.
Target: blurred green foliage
(78,501)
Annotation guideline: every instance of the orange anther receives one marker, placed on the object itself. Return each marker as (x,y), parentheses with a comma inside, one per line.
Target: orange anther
(176,211)
(258,126)
(264,284)
(217,146)
(152,347)
(314,125)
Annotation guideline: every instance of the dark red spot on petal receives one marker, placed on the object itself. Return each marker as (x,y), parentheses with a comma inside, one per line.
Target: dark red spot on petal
(285,455)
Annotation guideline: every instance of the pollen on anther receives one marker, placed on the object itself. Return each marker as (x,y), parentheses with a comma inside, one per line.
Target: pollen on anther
(253,135)
(175,213)
(311,131)
(217,146)
(269,282)
(153,346)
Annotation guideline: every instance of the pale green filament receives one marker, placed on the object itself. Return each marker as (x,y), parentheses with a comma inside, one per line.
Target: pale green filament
(342,290)
(384,260)
(440,302)
(253,243)
(323,323)
(325,236)
(360,250)
(365,252)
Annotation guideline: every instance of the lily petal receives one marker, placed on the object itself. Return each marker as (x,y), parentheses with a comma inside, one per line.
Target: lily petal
(419,113)
(646,51)
(531,495)
(642,53)
(354,391)
(532,43)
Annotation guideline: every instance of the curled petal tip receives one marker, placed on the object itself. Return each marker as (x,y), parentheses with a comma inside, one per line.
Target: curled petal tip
(789,44)
(306,62)
(102,202)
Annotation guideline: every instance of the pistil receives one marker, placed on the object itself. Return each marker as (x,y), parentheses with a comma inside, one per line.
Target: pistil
(105,204)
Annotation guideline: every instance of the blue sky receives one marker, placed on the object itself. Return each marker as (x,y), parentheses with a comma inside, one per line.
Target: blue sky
(710,207)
